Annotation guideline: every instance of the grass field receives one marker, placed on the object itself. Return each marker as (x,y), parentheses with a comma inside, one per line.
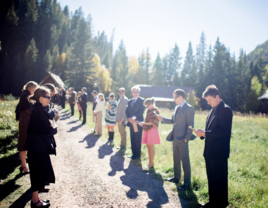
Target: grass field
(248,163)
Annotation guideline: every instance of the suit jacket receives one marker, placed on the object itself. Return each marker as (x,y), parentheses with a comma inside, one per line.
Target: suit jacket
(218,133)
(121,109)
(137,109)
(72,98)
(83,102)
(182,120)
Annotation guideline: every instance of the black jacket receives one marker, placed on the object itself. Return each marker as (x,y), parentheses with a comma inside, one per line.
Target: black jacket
(83,102)
(24,102)
(40,133)
(218,133)
(137,109)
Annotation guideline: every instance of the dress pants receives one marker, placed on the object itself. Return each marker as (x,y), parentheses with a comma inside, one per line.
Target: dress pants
(217,174)
(84,110)
(123,134)
(181,155)
(135,138)
(72,109)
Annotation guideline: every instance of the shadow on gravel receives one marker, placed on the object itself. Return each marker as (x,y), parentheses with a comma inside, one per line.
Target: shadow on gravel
(150,182)
(117,162)
(23,200)
(75,128)
(91,140)
(72,122)
(104,150)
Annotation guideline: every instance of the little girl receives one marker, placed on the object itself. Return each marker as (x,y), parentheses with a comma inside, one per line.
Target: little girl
(150,132)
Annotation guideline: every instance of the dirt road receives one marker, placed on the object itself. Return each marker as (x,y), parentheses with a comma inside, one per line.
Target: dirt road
(90,173)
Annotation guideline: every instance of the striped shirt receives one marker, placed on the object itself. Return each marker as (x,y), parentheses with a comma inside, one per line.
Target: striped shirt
(110,117)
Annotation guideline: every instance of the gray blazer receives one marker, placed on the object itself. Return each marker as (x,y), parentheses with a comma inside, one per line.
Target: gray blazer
(121,109)
(181,121)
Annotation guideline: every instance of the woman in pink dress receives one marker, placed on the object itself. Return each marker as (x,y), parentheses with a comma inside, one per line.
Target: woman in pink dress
(150,129)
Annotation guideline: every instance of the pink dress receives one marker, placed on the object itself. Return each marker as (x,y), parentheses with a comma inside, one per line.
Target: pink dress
(151,137)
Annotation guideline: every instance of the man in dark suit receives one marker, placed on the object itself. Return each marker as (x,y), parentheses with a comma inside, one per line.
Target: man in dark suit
(84,104)
(134,113)
(217,137)
(182,118)
(72,100)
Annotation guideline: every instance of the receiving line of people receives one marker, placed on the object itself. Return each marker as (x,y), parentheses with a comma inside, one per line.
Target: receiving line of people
(37,130)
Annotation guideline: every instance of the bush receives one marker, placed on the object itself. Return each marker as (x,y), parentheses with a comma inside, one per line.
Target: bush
(9,97)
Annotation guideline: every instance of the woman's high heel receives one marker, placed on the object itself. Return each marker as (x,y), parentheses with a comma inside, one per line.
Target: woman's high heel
(24,169)
(34,205)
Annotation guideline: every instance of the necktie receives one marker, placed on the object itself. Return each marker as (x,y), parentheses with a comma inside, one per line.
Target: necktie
(178,109)
(133,102)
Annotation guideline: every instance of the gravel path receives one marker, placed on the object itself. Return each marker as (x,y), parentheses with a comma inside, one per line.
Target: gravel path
(90,173)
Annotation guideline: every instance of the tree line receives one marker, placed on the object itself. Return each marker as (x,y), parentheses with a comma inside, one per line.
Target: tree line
(40,36)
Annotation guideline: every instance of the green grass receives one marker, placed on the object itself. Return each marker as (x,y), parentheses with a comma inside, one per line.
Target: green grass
(248,162)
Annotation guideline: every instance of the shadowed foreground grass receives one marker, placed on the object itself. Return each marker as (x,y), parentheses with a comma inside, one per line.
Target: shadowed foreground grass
(248,163)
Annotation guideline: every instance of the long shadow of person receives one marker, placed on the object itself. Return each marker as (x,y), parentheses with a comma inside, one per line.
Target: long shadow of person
(71,122)
(91,140)
(75,128)
(117,162)
(8,165)
(188,198)
(149,182)
(105,149)
(9,187)
(23,200)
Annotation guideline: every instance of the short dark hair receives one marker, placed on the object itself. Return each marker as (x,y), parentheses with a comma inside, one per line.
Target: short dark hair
(179,92)
(50,86)
(111,95)
(212,91)
(84,88)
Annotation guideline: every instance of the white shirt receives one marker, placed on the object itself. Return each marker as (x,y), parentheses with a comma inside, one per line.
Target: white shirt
(99,106)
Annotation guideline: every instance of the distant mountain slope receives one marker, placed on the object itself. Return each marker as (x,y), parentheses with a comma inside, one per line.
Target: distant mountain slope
(260,49)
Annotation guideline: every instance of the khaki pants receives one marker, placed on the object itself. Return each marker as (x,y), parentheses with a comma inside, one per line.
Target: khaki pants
(98,123)
(123,134)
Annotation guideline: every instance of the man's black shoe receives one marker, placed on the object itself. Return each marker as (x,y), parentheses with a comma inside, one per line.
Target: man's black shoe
(172,180)
(183,188)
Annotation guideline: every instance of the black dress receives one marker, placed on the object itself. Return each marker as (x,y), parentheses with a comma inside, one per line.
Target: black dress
(40,143)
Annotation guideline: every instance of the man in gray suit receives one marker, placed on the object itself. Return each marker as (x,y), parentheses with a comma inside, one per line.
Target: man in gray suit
(182,118)
(121,117)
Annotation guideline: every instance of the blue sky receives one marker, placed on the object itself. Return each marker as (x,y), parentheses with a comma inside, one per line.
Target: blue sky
(160,24)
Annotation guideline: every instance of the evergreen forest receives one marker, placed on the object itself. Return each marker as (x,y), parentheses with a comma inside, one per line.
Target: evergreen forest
(37,36)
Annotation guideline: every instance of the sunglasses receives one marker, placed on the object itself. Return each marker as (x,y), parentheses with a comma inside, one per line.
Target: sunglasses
(48,97)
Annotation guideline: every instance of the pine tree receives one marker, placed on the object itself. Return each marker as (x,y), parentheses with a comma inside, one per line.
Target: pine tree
(174,65)
(158,73)
(147,67)
(188,73)
(80,71)
(30,61)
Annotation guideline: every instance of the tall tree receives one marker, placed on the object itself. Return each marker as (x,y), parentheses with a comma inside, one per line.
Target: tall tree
(188,73)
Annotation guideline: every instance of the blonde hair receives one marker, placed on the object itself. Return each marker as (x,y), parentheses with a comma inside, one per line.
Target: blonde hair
(101,95)
(39,92)
(30,84)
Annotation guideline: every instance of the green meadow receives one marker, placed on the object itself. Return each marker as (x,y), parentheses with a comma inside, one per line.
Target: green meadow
(248,162)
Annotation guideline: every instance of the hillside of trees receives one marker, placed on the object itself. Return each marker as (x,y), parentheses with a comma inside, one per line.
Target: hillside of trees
(260,50)
(41,36)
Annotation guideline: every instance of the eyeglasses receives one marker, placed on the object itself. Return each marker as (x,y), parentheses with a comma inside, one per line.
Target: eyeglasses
(135,91)
(48,97)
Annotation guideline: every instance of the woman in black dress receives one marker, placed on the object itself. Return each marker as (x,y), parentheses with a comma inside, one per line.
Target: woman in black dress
(40,143)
